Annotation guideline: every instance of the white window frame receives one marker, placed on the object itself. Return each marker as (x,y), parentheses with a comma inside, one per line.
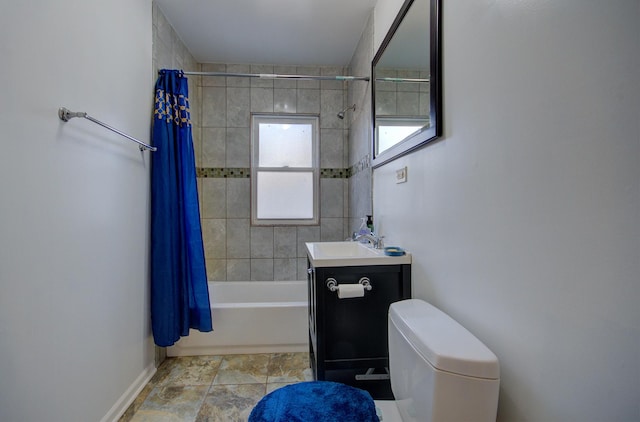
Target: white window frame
(314,120)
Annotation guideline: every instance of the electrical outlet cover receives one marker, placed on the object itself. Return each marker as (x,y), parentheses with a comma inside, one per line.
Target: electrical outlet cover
(401,175)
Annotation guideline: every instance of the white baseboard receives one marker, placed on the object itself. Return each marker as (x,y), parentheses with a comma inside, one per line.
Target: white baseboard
(123,403)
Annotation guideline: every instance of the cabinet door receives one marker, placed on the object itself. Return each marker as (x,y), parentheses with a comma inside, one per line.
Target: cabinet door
(356,328)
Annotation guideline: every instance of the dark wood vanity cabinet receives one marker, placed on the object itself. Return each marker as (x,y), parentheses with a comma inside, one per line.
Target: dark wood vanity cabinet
(348,337)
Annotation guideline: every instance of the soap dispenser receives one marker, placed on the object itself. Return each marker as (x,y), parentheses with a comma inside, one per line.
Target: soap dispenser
(370,223)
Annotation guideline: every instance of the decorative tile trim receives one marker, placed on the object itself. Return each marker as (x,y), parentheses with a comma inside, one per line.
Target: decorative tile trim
(220,172)
(335,173)
(363,164)
(245,173)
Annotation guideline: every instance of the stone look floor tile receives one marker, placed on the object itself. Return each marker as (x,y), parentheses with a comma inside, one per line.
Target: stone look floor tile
(161,373)
(192,370)
(230,403)
(168,403)
(243,369)
(273,386)
(214,388)
(289,368)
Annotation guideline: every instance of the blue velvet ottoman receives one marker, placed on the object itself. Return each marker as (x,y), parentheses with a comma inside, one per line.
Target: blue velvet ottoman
(313,401)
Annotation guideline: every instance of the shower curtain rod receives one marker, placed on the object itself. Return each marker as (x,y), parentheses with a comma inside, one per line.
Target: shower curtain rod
(403,80)
(305,77)
(280,76)
(64,115)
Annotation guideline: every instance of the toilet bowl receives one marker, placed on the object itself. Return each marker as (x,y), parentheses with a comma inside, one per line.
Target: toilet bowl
(439,372)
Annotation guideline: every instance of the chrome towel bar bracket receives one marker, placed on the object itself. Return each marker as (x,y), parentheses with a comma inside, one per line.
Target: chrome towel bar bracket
(332,284)
(65,114)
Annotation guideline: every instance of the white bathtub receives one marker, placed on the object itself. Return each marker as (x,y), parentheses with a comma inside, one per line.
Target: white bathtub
(251,317)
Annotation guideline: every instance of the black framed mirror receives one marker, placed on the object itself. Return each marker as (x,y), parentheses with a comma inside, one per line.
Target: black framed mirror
(406,83)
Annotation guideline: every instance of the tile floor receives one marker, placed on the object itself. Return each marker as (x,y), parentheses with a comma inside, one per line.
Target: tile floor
(214,388)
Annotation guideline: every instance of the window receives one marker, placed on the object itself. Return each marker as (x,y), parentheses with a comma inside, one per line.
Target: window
(391,130)
(284,169)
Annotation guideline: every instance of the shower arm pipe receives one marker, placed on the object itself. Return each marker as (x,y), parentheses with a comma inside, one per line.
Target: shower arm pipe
(65,114)
(281,76)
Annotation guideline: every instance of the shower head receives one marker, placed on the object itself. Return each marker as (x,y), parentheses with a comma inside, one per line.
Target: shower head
(341,114)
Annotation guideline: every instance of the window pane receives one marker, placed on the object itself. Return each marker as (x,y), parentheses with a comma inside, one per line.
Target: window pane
(388,136)
(285,195)
(285,145)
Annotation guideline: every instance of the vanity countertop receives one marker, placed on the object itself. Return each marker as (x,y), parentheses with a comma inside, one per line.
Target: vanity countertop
(350,254)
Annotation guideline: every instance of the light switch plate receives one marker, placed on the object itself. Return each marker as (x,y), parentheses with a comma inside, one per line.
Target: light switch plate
(401,175)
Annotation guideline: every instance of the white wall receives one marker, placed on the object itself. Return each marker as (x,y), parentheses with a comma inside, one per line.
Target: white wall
(74,325)
(524,219)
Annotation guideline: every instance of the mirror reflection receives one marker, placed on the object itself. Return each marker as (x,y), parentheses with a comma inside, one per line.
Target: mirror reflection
(404,91)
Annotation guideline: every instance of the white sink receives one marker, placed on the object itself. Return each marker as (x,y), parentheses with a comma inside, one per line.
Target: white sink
(349,254)
(342,249)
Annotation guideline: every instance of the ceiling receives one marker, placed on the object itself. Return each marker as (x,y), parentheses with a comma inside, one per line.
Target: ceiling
(279,32)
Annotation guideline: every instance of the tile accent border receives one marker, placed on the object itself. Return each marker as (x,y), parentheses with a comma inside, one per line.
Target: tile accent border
(220,172)
(335,173)
(245,173)
(363,164)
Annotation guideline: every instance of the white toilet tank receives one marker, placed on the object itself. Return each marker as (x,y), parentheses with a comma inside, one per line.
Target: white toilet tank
(439,370)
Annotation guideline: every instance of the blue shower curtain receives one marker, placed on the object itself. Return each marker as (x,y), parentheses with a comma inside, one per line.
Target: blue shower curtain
(179,291)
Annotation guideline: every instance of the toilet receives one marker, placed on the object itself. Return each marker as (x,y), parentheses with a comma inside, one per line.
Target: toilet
(439,372)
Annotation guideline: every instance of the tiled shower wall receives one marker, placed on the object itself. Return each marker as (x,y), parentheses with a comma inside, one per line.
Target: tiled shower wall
(170,53)
(234,249)
(360,180)
(220,113)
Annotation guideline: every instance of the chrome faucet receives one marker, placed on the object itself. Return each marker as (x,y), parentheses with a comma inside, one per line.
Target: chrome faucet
(375,241)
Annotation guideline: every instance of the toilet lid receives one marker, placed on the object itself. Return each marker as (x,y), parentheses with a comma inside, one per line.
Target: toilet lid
(443,342)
